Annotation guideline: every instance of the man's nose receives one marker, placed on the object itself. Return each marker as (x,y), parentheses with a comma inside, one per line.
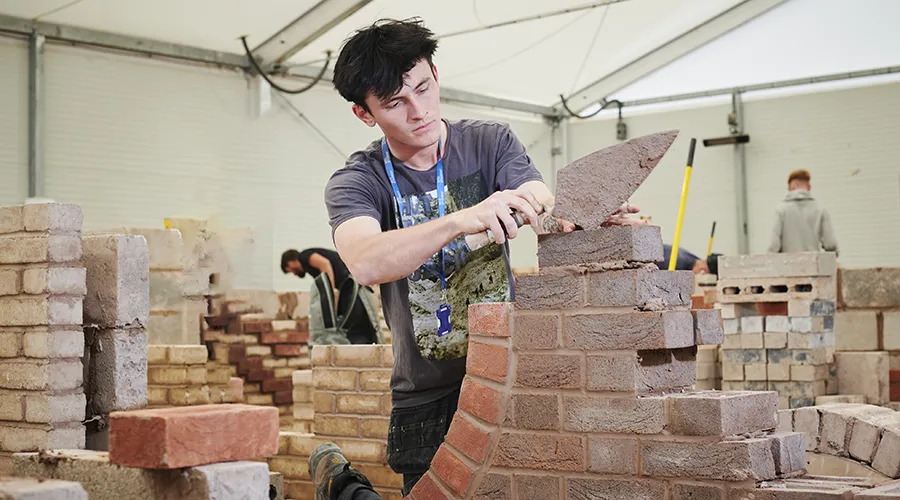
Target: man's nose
(416,110)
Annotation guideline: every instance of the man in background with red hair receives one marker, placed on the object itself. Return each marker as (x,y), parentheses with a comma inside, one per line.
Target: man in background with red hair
(801,225)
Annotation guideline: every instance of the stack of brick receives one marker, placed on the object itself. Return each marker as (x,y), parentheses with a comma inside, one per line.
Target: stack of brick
(778,312)
(264,352)
(177,302)
(579,390)
(304,409)
(177,376)
(116,311)
(207,452)
(42,288)
(867,332)
(704,296)
(352,405)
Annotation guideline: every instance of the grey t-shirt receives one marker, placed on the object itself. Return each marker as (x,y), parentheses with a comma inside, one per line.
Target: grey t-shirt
(480,158)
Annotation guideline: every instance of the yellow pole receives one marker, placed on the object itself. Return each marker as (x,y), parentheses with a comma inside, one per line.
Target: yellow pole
(711,234)
(673,257)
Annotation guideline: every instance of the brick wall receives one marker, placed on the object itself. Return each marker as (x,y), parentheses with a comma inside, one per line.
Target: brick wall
(42,288)
(868,321)
(583,390)
(351,404)
(304,407)
(778,312)
(177,376)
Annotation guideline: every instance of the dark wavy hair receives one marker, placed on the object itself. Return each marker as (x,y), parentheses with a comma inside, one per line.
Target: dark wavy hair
(375,58)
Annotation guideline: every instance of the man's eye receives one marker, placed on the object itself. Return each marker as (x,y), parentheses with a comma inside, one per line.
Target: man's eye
(422,90)
(393,104)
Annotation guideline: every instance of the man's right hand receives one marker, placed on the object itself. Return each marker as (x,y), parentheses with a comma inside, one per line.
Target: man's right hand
(494,213)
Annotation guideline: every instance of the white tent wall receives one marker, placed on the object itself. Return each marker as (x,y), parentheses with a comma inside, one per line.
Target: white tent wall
(846,138)
(134,140)
(13,121)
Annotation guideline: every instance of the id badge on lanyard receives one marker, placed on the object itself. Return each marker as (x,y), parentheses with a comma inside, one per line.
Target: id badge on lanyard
(443,311)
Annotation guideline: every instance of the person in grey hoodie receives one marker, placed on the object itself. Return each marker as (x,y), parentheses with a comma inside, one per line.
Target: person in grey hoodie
(801,225)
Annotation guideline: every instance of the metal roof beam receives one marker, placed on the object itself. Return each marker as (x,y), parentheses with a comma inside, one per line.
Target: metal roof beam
(304,30)
(670,51)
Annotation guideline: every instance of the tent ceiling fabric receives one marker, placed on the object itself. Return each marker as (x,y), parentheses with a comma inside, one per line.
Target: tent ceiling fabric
(534,61)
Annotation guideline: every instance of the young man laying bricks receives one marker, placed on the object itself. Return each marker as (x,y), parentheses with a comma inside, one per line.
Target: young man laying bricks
(400,210)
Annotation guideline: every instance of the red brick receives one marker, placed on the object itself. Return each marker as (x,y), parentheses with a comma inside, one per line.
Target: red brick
(278,385)
(772,308)
(172,438)
(895,392)
(302,325)
(236,386)
(549,371)
(540,452)
(283,397)
(490,319)
(895,375)
(453,471)
(260,375)
(257,326)
(284,338)
(480,400)
(288,350)
(468,438)
(487,360)
(427,489)
(236,352)
(245,365)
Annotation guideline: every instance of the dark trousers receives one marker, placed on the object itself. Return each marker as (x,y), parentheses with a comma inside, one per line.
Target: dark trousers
(415,435)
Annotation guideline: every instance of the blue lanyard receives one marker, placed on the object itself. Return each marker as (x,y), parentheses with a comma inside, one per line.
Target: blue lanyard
(401,203)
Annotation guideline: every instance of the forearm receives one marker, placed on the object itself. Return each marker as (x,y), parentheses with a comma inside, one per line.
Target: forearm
(393,255)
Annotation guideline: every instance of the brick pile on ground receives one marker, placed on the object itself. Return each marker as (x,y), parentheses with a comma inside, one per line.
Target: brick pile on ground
(27,488)
(206,452)
(709,368)
(582,389)
(778,312)
(352,407)
(263,352)
(177,376)
(116,310)
(867,333)
(42,288)
(177,301)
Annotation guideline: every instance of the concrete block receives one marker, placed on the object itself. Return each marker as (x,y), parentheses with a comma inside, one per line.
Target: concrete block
(11,219)
(635,287)
(56,408)
(276,486)
(759,290)
(845,398)
(620,169)
(635,330)
(738,460)
(809,373)
(607,244)
(788,450)
(752,341)
(778,372)
(55,218)
(53,342)
(54,280)
(29,488)
(34,249)
(778,324)
(806,421)
(777,265)
(722,413)
(837,423)
(186,437)
(811,324)
(165,246)
(708,328)
(732,326)
(117,280)
(866,433)
(755,372)
(38,310)
(887,456)
(104,481)
(810,340)
(877,287)
(785,421)
(806,307)
(732,342)
(22,436)
(737,310)
(744,356)
(775,340)
(865,373)
(891,330)
(707,353)
(10,282)
(117,373)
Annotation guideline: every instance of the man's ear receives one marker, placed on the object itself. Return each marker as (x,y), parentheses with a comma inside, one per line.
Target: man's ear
(434,71)
(363,115)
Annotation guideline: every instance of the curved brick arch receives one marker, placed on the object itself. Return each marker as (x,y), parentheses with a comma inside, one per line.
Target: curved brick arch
(866,434)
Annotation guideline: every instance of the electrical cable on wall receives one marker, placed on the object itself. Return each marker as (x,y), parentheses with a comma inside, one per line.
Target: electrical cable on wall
(603,106)
(274,85)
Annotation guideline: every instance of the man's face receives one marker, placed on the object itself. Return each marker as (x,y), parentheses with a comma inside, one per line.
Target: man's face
(701,267)
(412,116)
(295,267)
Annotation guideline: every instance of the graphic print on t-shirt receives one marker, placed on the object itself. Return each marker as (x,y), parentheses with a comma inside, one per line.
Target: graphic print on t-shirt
(472,277)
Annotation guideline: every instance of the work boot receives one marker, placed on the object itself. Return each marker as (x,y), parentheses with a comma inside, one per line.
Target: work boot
(331,473)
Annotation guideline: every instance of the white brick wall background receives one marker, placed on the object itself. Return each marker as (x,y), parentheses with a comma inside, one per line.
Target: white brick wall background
(135,140)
